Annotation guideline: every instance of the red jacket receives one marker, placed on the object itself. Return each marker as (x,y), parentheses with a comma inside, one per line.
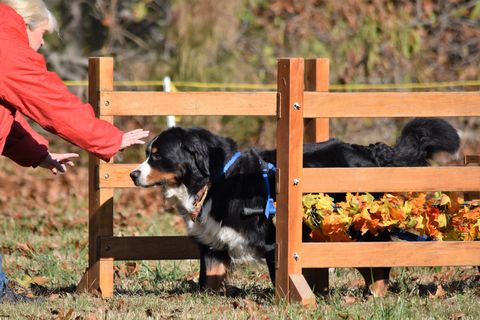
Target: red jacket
(26,87)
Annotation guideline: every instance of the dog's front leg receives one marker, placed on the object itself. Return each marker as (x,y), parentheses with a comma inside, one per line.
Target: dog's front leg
(214,267)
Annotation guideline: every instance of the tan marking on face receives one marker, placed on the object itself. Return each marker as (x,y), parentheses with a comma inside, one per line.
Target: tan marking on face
(156,176)
(154,150)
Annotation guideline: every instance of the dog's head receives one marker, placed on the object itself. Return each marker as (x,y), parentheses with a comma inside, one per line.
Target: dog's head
(172,157)
(181,162)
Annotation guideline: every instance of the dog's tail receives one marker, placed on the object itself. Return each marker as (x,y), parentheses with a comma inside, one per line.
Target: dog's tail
(422,139)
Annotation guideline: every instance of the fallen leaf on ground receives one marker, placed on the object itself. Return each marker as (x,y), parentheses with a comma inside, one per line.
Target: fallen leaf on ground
(440,293)
(41,281)
(350,299)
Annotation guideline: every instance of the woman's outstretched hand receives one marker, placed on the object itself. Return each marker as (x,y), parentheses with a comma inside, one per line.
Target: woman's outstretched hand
(57,162)
(133,137)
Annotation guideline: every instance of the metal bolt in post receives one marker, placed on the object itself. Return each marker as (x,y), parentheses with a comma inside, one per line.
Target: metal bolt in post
(106,176)
(296,182)
(107,103)
(296,106)
(296,256)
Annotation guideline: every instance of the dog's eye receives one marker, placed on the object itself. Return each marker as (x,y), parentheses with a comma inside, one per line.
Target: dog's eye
(155,156)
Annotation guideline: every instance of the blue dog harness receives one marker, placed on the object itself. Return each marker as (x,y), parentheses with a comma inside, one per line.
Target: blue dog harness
(270,209)
(231,161)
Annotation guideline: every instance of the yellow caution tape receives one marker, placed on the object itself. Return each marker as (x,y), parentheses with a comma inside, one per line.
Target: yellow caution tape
(246,86)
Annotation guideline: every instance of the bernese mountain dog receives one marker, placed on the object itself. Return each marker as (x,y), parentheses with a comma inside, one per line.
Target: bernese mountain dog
(222,194)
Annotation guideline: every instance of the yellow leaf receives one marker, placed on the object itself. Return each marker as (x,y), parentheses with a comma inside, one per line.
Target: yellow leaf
(420,223)
(444,200)
(368,198)
(407,207)
(412,223)
(442,220)
(387,223)
(309,200)
(324,203)
(348,197)
(25,281)
(374,207)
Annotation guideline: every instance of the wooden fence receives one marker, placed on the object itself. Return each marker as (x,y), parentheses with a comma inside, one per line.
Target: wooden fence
(293,180)
(302,106)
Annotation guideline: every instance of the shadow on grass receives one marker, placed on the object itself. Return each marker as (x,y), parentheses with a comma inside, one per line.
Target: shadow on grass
(410,287)
(253,292)
(450,287)
(262,294)
(38,290)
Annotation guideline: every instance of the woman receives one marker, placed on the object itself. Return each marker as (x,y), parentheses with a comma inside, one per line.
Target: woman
(27,88)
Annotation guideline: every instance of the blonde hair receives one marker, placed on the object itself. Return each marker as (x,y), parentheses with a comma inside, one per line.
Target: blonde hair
(34,12)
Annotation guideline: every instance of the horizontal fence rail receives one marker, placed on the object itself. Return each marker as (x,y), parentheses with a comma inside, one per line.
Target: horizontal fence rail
(391,179)
(113,175)
(317,104)
(391,104)
(149,248)
(127,103)
(346,179)
(389,254)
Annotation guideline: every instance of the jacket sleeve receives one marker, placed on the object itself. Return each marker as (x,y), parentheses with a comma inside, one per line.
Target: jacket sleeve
(25,146)
(42,96)
(20,119)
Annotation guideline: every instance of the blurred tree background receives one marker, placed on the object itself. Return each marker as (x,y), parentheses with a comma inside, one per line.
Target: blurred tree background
(227,41)
(238,41)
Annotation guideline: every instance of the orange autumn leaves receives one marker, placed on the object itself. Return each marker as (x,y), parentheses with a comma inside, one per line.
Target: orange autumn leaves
(438,216)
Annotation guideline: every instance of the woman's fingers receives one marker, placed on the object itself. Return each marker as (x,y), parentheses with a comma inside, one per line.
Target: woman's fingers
(56,162)
(70,163)
(133,137)
(64,157)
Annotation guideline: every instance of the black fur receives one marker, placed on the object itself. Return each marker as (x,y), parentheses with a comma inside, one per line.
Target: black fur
(197,157)
(420,139)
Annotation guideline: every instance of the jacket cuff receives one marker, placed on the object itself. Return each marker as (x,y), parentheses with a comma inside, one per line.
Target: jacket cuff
(27,154)
(22,148)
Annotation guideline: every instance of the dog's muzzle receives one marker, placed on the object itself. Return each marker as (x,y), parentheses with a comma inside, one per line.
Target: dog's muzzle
(134,176)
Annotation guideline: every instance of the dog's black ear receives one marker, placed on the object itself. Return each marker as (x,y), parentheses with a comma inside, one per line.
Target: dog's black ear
(181,170)
(199,151)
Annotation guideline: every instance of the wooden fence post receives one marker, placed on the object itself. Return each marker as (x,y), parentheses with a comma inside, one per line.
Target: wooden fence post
(290,283)
(99,276)
(472,160)
(317,78)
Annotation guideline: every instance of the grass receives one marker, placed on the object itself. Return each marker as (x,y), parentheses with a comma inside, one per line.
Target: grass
(44,249)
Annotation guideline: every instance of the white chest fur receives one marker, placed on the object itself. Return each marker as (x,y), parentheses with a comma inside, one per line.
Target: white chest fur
(210,232)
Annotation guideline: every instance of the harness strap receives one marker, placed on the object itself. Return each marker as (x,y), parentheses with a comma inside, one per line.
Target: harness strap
(270,209)
(231,161)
